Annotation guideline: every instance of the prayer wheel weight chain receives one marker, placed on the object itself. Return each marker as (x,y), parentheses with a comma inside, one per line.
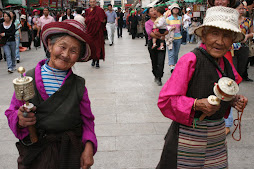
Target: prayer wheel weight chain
(33,135)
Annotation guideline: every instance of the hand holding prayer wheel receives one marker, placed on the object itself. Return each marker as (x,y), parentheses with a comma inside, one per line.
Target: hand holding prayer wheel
(24,91)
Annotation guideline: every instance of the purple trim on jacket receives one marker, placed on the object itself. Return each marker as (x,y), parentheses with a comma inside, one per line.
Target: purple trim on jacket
(85,110)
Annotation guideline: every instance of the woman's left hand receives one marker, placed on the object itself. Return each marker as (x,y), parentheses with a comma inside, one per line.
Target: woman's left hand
(2,34)
(86,158)
(239,102)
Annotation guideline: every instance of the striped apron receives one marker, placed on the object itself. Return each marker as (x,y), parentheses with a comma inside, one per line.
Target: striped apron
(203,146)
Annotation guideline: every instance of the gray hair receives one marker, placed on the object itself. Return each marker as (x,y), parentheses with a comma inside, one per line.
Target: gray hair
(57,37)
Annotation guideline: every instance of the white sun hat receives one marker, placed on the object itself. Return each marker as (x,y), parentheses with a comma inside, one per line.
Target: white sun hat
(188,9)
(223,18)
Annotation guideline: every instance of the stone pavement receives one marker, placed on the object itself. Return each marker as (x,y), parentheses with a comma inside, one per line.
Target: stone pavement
(129,126)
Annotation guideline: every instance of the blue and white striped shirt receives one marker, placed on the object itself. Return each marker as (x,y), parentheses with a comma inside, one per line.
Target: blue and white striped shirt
(52,78)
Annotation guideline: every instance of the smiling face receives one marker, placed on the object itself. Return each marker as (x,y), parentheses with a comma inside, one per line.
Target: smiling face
(217,41)
(64,53)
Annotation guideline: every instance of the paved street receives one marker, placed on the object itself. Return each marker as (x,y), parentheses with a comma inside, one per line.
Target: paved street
(129,126)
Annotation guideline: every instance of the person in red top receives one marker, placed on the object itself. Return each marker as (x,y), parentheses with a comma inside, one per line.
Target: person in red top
(95,22)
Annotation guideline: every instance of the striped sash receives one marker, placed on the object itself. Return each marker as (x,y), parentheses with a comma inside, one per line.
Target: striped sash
(203,146)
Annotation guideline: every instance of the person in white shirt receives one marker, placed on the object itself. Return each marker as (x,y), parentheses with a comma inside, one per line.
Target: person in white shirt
(187,22)
(79,17)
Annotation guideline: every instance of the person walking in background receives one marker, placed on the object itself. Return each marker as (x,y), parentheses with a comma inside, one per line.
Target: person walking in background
(175,22)
(157,56)
(26,32)
(120,24)
(111,23)
(7,31)
(68,15)
(140,29)
(95,20)
(241,52)
(17,33)
(186,23)
(36,28)
(79,17)
(45,19)
(1,21)
(133,20)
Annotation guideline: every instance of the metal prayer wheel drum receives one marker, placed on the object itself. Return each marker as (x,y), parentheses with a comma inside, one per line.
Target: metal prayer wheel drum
(226,89)
(23,86)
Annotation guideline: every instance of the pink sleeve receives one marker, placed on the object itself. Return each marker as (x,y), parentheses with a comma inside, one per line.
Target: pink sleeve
(12,116)
(173,101)
(88,121)
(148,27)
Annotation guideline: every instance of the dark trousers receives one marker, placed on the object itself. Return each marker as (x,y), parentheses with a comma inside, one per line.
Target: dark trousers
(133,32)
(157,59)
(119,30)
(146,36)
(240,61)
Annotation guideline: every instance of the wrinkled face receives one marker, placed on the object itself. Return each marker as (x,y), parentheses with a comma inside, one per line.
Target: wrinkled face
(92,3)
(46,12)
(241,9)
(221,3)
(175,10)
(217,41)
(6,18)
(64,53)
(152,13)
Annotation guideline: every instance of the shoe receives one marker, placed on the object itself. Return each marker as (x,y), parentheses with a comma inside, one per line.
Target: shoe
(159,83)
(93,63)
(18,61)
(97,66)
(171,70)
(145,44)
(161,48)
(154,45)
(10,71)
(227,130)
(111,44)
(247,79)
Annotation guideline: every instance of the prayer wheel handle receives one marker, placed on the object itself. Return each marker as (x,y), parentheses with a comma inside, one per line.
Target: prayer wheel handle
(33,134)
(213,100)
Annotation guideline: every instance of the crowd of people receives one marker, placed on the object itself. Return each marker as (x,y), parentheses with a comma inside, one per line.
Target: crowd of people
(61,96)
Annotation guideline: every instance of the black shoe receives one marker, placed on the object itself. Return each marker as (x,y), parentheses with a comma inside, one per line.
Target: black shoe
(145,44)
(111,44)
(18,61)
(159,83)
(247,79)
(171,70)
(93,63)
(97,66)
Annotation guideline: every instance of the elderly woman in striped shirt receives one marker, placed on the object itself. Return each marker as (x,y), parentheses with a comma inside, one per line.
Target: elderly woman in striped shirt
(63,119)
(190,142)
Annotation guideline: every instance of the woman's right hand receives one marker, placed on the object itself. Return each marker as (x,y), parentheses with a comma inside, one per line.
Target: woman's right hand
(204,106)
(26,121)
